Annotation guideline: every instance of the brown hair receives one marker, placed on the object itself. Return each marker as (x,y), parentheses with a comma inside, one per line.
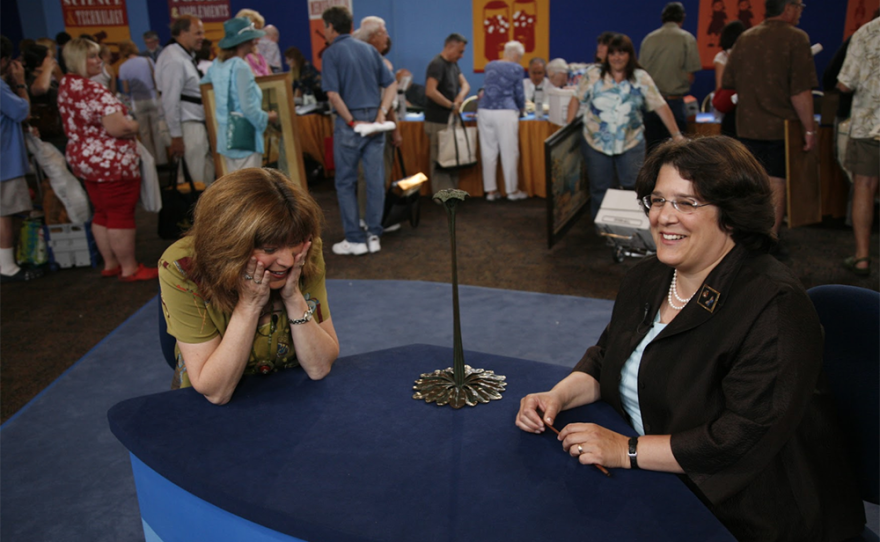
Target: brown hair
(183,24)
(725,174)
(621,43)
(242,211)
(127,48)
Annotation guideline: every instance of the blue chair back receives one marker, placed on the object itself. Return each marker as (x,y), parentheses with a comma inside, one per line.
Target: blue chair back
(165,340)
(851,319)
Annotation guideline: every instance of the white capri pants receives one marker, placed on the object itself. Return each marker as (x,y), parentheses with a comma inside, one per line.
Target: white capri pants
(499,132)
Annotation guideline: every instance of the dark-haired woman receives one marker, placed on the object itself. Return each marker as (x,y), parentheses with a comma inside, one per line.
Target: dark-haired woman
(729,34)
(243,292)
(714,355)
(615,94)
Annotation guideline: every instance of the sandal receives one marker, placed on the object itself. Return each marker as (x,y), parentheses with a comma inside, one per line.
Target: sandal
(142,273)
(107,273)
(22,275)
(852,262)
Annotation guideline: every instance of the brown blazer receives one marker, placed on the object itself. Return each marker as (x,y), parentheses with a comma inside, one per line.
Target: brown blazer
(736,380)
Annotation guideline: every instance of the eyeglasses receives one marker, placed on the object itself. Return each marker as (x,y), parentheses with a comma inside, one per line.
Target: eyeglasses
(683,206)
(799,6)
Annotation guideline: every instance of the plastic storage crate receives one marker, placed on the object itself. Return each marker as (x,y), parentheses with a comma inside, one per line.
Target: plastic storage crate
(71,245)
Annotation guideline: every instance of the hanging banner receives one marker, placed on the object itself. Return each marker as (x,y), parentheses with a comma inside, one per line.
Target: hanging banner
(212,13)
(316,26)
(714,14)
(498,21)
(104,20)
(858,12)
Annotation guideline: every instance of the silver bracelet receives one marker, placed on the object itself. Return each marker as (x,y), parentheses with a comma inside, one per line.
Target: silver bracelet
(307,317)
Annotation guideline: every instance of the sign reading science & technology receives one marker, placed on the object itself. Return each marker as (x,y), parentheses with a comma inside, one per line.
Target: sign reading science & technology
(94,13)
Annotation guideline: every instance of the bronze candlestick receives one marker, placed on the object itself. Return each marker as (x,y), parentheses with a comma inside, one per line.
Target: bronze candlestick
(460,384)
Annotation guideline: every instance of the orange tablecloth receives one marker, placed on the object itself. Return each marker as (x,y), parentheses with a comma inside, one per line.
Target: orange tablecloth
(314,128)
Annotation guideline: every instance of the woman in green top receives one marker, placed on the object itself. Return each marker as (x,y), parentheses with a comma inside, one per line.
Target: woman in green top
(243,292)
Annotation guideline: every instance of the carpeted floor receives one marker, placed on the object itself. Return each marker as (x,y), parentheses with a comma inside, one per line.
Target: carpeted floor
(48,324)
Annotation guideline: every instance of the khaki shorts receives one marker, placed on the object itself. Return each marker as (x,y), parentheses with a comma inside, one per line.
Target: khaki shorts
(14,197)
(863,157)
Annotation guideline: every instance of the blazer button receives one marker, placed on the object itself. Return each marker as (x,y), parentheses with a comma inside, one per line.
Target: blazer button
(641,385)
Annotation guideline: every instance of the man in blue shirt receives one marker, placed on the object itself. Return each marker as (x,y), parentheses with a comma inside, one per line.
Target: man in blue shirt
(353,74)
(14,195)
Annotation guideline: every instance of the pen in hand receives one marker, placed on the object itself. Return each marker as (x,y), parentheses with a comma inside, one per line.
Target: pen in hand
(598,466)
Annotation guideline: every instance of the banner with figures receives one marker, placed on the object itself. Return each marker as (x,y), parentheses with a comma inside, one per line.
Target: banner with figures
(106,22)
(212,13)
(316,26)
(714,15)
(498,21)
(858,12)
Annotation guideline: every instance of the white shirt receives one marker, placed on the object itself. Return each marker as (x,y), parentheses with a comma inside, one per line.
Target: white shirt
(175,75)
(529,89)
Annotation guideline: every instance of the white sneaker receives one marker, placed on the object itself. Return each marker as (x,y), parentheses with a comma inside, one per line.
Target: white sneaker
(362,224)
(373,243)
(492,196)
(391,228)
(349,249)
(519,194)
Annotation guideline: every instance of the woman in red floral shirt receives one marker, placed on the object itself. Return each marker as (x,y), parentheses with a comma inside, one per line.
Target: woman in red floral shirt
(102,150)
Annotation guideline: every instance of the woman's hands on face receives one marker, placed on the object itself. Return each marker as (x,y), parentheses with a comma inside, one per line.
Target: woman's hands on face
(528,418)
(254,285)
(291,287)
(592,444)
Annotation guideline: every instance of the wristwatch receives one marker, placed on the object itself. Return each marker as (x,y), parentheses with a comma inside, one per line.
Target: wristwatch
(307,317)
(384,110)
(633,452)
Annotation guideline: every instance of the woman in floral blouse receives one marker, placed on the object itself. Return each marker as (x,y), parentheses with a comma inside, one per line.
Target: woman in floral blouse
(102,151)
(616,94)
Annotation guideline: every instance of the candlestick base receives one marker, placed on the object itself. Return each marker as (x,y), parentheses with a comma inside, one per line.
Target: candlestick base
(479,386)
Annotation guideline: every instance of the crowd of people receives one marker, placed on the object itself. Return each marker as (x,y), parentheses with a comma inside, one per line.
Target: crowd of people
(713,351)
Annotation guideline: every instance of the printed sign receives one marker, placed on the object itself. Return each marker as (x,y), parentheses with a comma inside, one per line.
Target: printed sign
(498,21)
(316,26)
(714,14)
(105,20)
(209,11)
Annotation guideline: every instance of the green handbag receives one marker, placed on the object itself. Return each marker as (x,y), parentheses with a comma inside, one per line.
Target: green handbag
(240,133)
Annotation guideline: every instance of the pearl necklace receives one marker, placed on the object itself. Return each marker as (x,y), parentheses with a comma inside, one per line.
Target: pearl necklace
(673,291)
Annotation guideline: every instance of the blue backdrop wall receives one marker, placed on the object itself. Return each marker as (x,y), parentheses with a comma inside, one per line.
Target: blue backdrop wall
(418,29)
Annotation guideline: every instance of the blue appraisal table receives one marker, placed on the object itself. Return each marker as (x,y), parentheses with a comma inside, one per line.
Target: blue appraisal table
(354,458)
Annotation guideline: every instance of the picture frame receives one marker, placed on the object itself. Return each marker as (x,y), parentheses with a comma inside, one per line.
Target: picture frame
(568,189)
(283,147)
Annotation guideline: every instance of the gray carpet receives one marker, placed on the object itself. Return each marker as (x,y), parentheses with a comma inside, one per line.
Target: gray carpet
(66,478)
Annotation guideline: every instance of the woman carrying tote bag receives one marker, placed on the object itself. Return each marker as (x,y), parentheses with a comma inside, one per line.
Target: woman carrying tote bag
(240,118)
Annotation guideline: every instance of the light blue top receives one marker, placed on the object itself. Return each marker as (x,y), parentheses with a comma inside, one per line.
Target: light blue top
(629,377)
(13,111)
(502,86)
(138,71)
(247,99)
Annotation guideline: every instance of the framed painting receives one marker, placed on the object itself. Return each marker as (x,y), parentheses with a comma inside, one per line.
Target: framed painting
(568,190)
(281,141)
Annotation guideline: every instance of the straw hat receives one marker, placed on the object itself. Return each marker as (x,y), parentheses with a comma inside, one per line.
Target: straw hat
(238,31)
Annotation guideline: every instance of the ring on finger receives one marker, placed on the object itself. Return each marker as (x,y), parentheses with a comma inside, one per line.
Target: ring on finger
(257,281)
(580,450)
(248,277)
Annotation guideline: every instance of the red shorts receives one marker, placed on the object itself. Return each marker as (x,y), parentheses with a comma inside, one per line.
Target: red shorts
(114,202)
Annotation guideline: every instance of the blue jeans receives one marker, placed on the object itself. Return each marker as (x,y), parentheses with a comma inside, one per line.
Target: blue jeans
(655,131)
(601,169)
(349,148)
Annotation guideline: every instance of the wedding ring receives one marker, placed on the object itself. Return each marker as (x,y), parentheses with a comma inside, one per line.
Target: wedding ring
(580,450)
(248,277)
(257,281)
